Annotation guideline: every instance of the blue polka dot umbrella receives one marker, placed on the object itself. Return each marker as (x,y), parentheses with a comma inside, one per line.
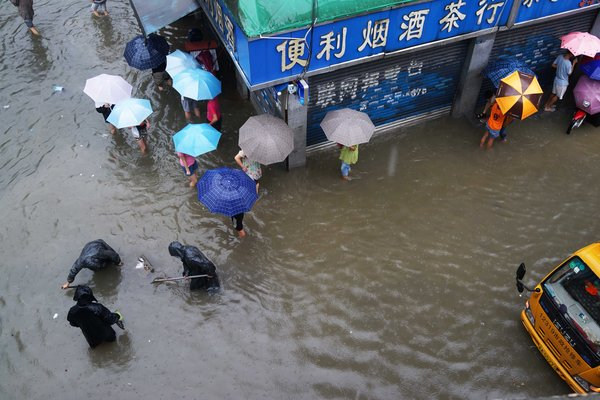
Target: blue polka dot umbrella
(227,191)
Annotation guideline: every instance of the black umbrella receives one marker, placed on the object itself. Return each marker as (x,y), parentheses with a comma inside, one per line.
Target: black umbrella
(145,53)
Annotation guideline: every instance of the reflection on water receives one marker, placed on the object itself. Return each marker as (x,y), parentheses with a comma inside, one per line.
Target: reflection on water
(398,284)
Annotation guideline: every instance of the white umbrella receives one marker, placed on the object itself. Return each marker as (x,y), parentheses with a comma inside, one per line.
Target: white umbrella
(106,88)
(347,126)
(178,61)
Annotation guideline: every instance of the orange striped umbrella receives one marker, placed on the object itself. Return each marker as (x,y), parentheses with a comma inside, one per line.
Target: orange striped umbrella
(519,95)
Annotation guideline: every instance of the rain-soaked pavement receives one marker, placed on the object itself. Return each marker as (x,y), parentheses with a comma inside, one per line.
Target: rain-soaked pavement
(399,284)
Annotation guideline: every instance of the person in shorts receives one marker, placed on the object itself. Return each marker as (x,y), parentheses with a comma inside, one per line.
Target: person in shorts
(564,67)
(190,105)
(140,133)
(161,77)
(105,110)
(99,6)
(251,168)
(348,156)
(189,165)
(493,126)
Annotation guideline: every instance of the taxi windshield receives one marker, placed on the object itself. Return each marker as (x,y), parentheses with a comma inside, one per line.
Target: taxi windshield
(575,290)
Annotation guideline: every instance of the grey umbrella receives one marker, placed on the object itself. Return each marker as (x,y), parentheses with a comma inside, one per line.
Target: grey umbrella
(266,139)
(347,126)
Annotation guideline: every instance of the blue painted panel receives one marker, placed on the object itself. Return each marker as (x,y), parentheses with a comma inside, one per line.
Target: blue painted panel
(389,89)
(532,9)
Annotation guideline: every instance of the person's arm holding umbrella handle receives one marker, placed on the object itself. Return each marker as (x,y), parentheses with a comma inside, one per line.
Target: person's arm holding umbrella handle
(238,160)
(214,119)
(65,285)
(352,148)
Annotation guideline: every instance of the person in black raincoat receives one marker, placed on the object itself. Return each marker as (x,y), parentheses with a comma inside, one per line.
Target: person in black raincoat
(26,12)
(195,263)
(95,255)
(93,318)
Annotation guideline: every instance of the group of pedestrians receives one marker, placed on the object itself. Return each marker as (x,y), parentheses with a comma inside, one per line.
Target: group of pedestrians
(94,319)
(497,121)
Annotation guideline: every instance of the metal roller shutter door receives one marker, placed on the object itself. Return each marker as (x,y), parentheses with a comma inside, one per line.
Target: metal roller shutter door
(409,85)
(537,45)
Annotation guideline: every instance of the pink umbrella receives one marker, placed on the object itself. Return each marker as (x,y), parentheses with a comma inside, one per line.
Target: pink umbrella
(587,95)
(581,43)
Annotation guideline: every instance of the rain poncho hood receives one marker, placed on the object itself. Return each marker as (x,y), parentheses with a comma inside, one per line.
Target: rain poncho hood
(83,295)
(92,318)
(195,263)
(95,255)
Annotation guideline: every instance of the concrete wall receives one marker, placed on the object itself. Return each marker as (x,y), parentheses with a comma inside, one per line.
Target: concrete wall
(297,120)
(467,94)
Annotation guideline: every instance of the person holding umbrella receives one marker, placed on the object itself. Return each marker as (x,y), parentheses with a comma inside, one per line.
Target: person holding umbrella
(494,126)
(105,109)
(348,128)
(140,133)
(132,113)
(564,67)
(251,168)
(349,156)
(192,141)
(229,192)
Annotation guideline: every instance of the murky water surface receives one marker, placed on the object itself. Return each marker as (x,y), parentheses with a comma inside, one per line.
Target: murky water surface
(399,284)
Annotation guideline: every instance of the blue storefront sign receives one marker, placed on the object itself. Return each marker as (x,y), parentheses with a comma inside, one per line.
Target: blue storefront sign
(534,9)
(274,59)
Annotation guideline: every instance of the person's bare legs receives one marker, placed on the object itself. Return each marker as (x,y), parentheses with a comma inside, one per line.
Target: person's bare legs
(551,100)
(143,145)
(188,116)
(483,139)
(257,185)
(34,30)
(112,128)
(490,143)
(193,180)
(197,113)
(96,13)
(241,233)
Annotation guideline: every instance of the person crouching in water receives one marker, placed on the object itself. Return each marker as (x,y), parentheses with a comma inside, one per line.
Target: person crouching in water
(195,263)
(95,255)
(93,318)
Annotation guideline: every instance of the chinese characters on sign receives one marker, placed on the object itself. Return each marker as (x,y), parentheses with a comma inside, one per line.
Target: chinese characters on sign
(289,54)
(223,21)
(406,26)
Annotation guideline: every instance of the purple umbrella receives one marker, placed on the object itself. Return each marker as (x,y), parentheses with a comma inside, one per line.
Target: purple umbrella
(591,68)
(587,95)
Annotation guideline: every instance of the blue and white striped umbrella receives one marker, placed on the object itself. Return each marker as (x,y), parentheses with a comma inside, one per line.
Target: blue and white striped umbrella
(227,191)
(129,112)
(197,84)
(178,61)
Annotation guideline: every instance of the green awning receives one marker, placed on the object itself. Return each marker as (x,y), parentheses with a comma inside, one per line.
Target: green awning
(263,17)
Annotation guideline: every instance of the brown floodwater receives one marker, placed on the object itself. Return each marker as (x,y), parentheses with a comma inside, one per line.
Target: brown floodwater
(398,284)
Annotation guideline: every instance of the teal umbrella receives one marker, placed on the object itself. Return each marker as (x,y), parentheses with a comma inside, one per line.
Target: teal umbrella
(129,112)
(197,84)
(196,139)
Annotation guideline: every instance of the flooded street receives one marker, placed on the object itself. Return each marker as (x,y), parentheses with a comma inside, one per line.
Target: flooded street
(398,284)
